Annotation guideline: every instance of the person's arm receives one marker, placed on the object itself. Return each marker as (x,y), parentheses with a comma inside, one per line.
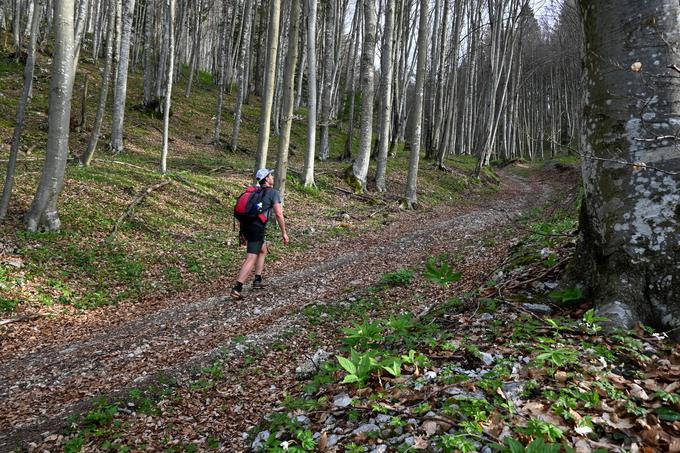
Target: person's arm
(278,212)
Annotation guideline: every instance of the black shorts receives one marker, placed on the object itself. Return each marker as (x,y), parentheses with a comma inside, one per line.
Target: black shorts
(254,234)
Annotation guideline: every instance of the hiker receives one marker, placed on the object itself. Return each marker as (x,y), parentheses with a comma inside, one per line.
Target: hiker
(252,230)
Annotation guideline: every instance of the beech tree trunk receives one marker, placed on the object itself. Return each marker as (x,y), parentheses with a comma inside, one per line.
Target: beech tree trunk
(43,213)
(86,158)
(288,99)
(21,110)
(120,89)
(630,219)
(360,167)
(242,79)
(385,97)
(270,74)
(168,88)
(308,178)
(412,179)
(328,67)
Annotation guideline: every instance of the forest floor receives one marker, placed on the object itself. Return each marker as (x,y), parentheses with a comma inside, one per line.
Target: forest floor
(479,359)
(54,368)
(118,334)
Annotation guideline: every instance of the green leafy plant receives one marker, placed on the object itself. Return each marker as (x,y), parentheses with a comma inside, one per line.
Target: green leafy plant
(358,367)
(442,275)
(541,429)
(536,446)
(455,442)
(592,321)
(363,335)
(556,357)
(567,295)
(392,365)
(401,277)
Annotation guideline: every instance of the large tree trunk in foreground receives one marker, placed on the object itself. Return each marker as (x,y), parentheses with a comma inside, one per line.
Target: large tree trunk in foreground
(631,215)
(43,212)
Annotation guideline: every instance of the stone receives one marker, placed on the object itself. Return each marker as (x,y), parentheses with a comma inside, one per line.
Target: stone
(366,428)
(430,376)
(486,317)
(310,366)
(513,390)
(333,440)
(342,400)
(379,449)
(383,419)
(487,358)
(303,420)
(539,309)
(259,442)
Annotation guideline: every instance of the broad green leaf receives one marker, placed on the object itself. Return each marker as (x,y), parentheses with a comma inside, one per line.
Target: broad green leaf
(347,365)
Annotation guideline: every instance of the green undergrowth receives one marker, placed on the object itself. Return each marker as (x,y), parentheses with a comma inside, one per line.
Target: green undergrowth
(180,235)
(480,371)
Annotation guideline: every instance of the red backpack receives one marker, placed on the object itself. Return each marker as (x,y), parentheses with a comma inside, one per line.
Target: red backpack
(249,205)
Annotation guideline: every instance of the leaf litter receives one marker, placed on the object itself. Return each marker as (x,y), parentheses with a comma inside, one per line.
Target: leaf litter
(205,375)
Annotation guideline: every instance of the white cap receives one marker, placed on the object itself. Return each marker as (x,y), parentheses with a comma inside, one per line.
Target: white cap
(263,173)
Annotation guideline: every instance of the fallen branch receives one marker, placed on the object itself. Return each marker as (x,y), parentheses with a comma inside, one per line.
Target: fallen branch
(195,189)
(19,319)
(138,199)
(123,163)
(25,159)
(352,194)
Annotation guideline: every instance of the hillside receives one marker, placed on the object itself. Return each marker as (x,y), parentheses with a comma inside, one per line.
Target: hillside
(179,237)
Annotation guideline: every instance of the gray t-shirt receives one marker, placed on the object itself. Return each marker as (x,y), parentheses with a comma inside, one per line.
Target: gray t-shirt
(269,199)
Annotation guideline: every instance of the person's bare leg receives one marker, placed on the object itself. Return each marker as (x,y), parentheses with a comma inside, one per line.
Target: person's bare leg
(259,263)
(247,267)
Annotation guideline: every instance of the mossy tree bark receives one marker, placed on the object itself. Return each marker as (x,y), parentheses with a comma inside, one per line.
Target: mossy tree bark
(631,215)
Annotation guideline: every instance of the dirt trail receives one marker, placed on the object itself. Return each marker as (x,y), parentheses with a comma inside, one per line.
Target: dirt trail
(46,377)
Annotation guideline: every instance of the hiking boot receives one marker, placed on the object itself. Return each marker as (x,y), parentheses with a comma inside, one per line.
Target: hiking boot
(259,284)
(236,294)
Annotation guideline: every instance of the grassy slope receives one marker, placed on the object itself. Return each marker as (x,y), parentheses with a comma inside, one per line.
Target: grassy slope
(180,235)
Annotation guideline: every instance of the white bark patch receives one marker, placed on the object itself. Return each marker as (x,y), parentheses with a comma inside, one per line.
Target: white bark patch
(653,222)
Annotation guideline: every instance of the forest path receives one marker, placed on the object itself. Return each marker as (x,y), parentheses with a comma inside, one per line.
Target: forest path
(49,371)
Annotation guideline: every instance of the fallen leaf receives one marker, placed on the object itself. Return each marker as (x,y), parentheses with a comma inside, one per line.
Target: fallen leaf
(430,427)
(323,441)
(420,443)
(583,430)
(612,420)
(670,388)
(638,392)
(674,445)
(494,425)
(582,446)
